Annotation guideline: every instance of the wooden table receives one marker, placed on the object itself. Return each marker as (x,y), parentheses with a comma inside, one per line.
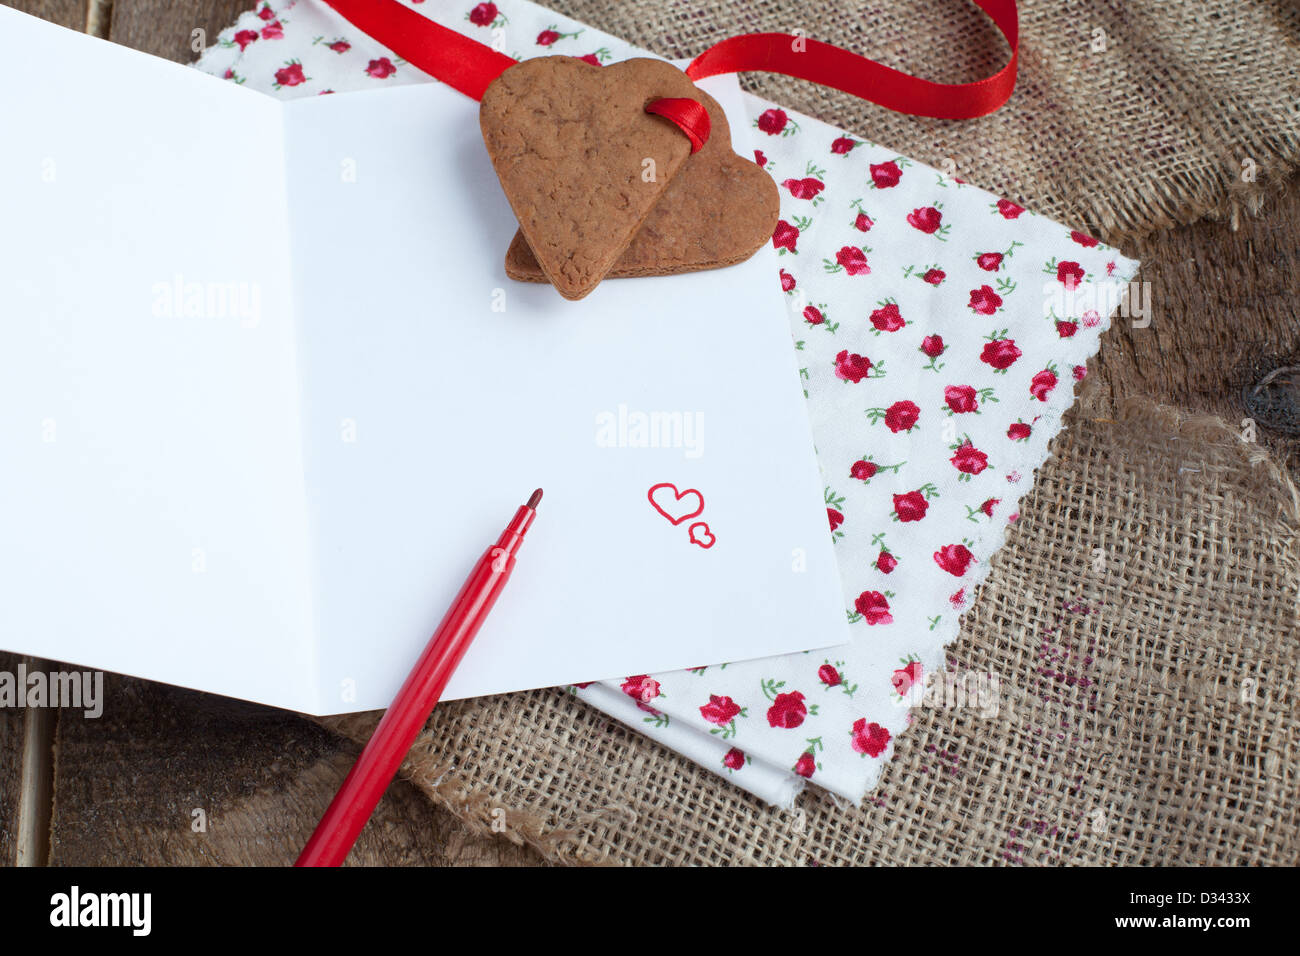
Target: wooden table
(124,789)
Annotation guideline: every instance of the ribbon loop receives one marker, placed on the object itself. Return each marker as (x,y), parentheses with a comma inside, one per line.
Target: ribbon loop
(688,115)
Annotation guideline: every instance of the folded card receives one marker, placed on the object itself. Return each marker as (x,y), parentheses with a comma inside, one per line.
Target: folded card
(266,393)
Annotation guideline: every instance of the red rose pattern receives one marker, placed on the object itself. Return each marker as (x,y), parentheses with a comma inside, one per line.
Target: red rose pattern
(984,300)
(911,506)
(1008,209)
(954,558)
(927,219)
(960,398)
(853,260)
(720,710)
(862,470)
(906,677)
(902,416)
(484,15)
(885,175)
(643,687)
(290,75)
(874,608)
(806,188)
(773,122)
(851,367)
(1069,274)
(1000,354)
(887,319)
(785,236)
(1042,384)
(969,460)
(869,739)
(787,711)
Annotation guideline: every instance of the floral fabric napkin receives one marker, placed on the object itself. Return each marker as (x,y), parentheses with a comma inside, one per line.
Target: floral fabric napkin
(939,330)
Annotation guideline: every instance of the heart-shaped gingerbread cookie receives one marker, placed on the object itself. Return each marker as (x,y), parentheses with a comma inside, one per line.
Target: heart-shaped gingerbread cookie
(580,160)
(718,211)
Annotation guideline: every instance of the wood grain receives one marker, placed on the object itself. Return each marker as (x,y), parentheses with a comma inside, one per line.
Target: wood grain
(66,13)
(173,777)
(1224,310)
(11,763)
(167,29)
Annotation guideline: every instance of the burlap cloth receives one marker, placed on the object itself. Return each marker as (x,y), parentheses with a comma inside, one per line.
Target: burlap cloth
(1145,123)
(1141,621)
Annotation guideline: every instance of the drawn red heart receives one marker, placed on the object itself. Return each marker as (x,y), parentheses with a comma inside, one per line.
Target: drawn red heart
(699,532)
(676,506)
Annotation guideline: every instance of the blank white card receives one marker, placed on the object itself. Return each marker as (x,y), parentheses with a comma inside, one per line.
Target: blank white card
(266,394)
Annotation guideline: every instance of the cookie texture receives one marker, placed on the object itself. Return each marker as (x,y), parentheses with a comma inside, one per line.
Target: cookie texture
(718,211)
(572,144)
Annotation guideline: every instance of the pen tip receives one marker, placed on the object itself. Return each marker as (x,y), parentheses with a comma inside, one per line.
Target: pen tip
(536,499)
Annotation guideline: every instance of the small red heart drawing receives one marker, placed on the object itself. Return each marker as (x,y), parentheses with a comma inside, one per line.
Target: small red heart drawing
(676,506)
(701,535)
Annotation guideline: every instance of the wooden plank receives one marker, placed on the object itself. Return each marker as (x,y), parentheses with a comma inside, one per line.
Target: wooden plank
(173,777)
(11,763)
(35,797)
(67,13)
(1224,312)
(167,29)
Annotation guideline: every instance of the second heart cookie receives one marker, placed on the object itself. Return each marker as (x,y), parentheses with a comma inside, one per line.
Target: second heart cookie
(718,211)
(580,160)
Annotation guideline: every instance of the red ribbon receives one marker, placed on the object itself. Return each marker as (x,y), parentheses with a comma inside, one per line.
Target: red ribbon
(461,63)
(469,66)
(690,116)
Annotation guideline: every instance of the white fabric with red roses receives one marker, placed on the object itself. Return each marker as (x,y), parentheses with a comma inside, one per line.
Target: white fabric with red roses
(939,332)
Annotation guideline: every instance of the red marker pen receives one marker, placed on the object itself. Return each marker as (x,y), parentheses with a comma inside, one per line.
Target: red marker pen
(392,739)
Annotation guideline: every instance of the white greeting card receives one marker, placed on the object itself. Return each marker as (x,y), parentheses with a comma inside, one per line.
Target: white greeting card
(262,468)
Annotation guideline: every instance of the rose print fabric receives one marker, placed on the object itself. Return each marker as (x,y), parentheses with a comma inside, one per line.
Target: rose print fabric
(939,332)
